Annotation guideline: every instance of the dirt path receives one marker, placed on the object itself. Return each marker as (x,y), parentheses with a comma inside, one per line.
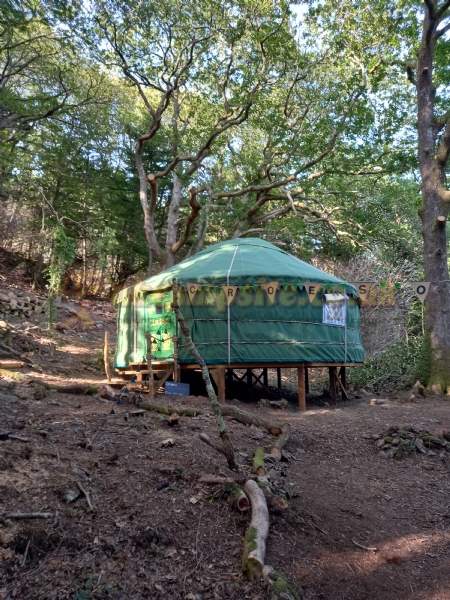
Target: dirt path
(143,542)
(155,533)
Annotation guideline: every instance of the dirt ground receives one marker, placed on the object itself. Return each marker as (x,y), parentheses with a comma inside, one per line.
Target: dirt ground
(154,532)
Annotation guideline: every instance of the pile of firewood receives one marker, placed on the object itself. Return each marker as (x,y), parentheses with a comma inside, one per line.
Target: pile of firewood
(18,303)
(397,442)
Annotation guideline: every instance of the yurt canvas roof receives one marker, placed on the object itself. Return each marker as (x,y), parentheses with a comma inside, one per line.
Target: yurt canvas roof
(239,262)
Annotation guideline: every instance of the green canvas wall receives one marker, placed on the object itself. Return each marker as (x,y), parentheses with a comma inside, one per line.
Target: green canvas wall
(252,328)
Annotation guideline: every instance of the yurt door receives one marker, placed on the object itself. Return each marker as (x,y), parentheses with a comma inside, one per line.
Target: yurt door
(160,322)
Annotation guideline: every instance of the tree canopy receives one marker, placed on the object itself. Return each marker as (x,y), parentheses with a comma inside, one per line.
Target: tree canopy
(143,132)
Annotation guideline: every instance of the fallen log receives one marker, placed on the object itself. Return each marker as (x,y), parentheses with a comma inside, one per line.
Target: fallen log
(281,441)
(256,535)
(259,466)
(173,419)
(250,419)
(215,479)
(279,404)
(107,392)
(163,410)
(11,364)
(77,389)
(236,496)
(33,515)
(17,376)
(278,585)
(445,433)
(240,500)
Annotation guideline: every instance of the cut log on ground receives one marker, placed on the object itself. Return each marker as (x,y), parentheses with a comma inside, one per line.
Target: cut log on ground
(173,419)
(77,389)
(163,410)
(249,419)
(281,441)
(215,479)
(11,364)
(226,440)
(18,376)
(256,535)
(107,392)
(279,404)
(34,515)
(259,467)
(236,496)
(445,433)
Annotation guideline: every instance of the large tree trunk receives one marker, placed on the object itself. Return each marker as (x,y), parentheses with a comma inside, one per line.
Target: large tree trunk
(433,158)
(154,248)
(172,221)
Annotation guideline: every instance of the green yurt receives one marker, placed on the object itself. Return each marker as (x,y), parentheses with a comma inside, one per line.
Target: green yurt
(245,301)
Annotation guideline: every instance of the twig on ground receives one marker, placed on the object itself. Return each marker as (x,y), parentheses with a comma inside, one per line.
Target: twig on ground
(314,526)
(24,559)
(12,483)
(86,495)
(364,547)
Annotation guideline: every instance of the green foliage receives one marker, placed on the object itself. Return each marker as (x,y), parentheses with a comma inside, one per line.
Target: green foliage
(330,119)
(62,255)
(392,369)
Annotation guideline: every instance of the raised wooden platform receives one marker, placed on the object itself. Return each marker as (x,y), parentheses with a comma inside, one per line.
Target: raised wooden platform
(163,370)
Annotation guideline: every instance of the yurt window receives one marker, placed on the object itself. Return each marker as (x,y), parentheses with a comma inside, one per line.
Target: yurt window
(159,308)
(334,309)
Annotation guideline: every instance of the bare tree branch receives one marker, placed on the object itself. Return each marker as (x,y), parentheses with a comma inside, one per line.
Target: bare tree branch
(195,209)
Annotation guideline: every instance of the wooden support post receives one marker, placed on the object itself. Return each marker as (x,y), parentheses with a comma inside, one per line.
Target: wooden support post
(306,380)
(333,394)
(175,358)
(279,378)
(151,389)
(301,388)
(342,384)
(220,381)
(106,356)
(249,378)
(343,377)
(265,377)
